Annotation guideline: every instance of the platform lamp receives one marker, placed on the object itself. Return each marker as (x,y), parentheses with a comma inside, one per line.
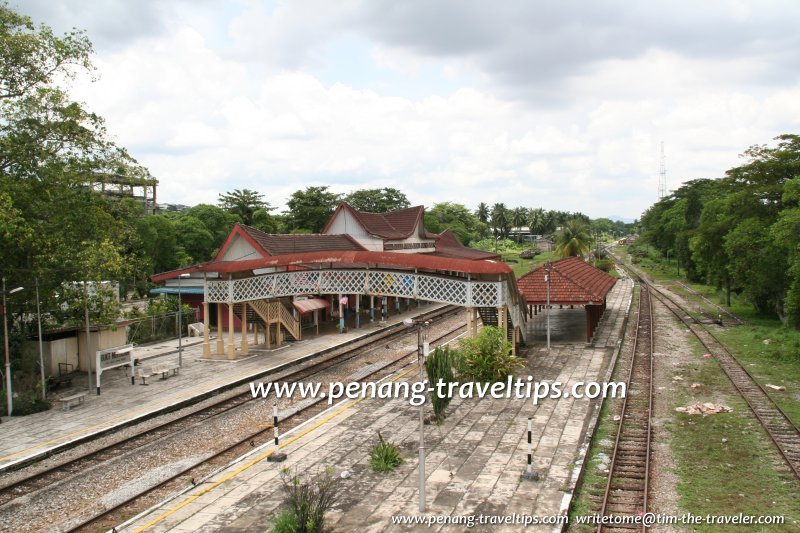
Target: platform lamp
(548,268)
(421,353)
(9,396)
(180,325)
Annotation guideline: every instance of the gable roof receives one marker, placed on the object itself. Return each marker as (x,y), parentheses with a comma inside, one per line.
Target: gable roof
(397,224)
(269,244)
(573,281)
(448,245)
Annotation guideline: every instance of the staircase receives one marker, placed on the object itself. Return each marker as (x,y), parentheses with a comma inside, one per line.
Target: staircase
(489,318)
(264,312)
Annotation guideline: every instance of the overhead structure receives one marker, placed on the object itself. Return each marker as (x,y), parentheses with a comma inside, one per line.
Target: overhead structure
(573,281)
(271,280)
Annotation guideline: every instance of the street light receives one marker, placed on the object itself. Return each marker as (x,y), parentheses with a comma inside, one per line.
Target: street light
(421,358)
(548,268)
(9,397)
(180,326)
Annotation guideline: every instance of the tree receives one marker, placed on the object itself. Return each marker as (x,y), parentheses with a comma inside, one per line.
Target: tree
(309,210)
(159,242)
(244,203)
(536,221)
(483,213)
(455,217)
(501,220)
(519,217)
(378,200)
(215,220)
(574,239)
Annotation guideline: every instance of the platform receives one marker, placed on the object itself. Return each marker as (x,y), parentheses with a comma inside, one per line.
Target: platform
(473,461)
(24,438)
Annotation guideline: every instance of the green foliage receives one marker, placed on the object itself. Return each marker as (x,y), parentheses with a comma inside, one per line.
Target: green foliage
(439,367)
(308,498)
(310,209)
(457,218)
(244,203)
(574,238)
(385,456)
(487,358)
(285,521)
(378,200)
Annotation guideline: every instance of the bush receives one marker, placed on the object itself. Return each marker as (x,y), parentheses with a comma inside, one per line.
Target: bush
(385,456)
(439,366)
(604,264)
(487,358)
(306,501)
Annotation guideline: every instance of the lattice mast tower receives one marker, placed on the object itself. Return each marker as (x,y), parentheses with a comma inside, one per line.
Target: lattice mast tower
(662,174)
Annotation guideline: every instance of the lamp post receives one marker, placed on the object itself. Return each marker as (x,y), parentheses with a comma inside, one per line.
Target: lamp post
(180,325)
(421,358)
(548,268)
(9,396)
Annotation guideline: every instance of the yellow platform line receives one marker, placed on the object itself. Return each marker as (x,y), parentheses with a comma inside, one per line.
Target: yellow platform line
(255,461)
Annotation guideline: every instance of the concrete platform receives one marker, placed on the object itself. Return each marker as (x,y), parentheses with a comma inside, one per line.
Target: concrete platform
(473,461)
(25,438)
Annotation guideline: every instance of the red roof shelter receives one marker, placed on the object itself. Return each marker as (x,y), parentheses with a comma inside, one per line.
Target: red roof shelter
(573,281)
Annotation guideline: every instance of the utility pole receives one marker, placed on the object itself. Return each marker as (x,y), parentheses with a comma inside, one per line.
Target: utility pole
(662,174)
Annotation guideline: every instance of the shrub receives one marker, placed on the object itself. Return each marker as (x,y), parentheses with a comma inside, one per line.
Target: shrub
(439,366)
(285,521)
(306,501)
(385,456)
(487,358)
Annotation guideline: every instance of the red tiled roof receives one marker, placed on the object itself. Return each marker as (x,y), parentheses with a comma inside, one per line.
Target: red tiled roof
(275,244)
(357,259)
(392,225)
(448,245)
(573,281)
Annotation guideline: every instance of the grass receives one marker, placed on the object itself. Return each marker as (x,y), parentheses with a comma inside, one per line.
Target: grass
(385,456)
(725,462)
(523,266)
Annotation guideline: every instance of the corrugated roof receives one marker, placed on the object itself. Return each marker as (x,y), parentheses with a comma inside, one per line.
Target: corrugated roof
(357,259)
(275,244)
(573,281)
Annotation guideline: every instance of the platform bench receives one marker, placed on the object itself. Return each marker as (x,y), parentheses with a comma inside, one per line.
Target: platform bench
(144,373)
(66,401)
(166,370)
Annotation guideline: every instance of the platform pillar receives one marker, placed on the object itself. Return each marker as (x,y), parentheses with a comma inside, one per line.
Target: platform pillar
(397,305)
(220,330)
(245,349)
(278,334)
(206,323)
(371,308)
(231,341)
(358,310)
(384,308)
(341,315)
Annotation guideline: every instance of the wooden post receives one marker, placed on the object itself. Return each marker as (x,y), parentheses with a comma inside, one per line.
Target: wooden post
(231,343)
(245,349)
(358,310)
(470,319)
(206,325)
(588,323)
(371,308)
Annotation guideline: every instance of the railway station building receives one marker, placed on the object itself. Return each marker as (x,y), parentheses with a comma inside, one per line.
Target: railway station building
(360,268)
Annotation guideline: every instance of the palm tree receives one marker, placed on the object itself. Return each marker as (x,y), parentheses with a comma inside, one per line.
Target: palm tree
(536,221)
(574,238)
(483,213)
(519,217)
(500,220)
(243,203)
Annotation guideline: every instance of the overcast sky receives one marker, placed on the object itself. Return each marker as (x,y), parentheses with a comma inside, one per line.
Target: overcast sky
(560,105)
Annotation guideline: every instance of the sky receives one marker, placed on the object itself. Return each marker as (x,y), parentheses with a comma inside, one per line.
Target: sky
(561,105)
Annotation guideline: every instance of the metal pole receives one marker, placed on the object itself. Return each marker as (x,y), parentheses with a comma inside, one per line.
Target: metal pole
(41,350)
(421,424)
(547,278)
(9,400)
(180,325)
(530,447)
(88,349)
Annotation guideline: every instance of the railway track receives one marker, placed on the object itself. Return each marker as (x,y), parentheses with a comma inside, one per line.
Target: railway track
(111,517)
(734,320)
(74,467)
(629,471)
(784,434)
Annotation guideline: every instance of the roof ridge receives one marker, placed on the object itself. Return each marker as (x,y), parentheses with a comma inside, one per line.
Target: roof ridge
(571,279)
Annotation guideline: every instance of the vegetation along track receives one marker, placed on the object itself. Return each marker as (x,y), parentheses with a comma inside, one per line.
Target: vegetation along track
(627,485)
(47,478)
(784,434)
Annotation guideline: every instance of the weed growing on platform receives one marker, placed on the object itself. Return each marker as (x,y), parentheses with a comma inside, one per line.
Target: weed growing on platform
(439,366)
(307,499)
(487,358)
(385,456)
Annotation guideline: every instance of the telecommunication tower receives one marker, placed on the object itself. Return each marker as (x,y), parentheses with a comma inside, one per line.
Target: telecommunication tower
(662,175)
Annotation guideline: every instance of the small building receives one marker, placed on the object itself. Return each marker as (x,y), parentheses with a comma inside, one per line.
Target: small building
(572,282)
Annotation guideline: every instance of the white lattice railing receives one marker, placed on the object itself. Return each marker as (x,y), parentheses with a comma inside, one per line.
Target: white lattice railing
(370,282)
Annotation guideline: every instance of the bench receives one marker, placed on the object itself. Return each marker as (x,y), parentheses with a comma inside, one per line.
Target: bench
(66,401)
(144,373)
(166,370)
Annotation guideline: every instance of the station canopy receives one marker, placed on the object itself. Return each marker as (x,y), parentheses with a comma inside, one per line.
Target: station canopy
(573,282)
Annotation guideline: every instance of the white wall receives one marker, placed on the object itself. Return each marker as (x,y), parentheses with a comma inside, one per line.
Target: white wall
(240,249)
(346,224)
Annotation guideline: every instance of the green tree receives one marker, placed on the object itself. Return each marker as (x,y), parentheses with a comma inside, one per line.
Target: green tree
(244,203)
(574,239)
(310,209)
(519,217)
(501,220)
(215,220)
(378,200)
(455,217)
(536,221)
(482,213)
(159,241)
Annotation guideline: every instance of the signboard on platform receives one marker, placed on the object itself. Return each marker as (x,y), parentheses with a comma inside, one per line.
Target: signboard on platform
(112,358)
